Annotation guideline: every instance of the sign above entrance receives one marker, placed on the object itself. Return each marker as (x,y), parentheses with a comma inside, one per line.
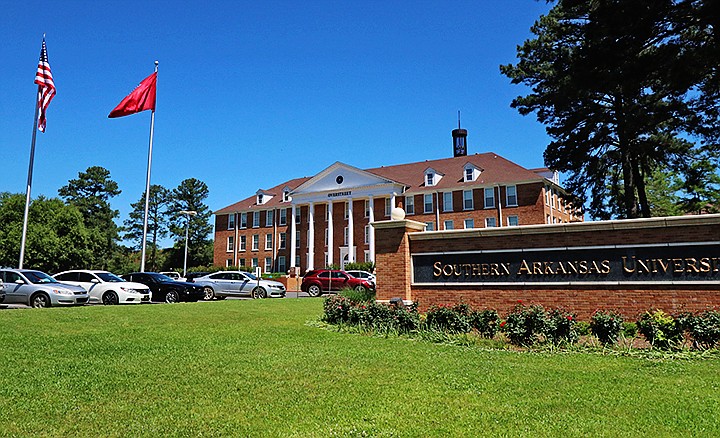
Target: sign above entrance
(336,194)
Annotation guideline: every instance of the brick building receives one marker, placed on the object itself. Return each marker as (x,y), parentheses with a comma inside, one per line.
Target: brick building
(316,221)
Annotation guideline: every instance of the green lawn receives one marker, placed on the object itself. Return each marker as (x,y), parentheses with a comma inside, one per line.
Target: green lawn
(254,368)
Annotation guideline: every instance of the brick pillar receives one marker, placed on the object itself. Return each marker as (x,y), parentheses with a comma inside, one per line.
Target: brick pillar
(392,258)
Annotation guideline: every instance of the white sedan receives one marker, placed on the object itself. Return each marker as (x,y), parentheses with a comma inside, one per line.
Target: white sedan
(106,287)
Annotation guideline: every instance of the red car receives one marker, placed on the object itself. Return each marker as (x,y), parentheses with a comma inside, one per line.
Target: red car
(320,281)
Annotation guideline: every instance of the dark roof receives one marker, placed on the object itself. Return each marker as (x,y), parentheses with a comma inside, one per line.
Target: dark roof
(494,170)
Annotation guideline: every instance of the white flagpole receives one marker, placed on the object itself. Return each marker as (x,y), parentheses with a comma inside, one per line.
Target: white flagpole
(147,185)
(29,181)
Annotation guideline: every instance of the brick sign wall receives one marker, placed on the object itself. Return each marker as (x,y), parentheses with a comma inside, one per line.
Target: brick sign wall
(630,266)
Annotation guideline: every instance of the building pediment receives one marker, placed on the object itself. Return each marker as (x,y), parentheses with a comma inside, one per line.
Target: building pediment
(341,178)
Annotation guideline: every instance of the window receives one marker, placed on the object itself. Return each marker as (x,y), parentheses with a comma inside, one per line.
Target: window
(367,256)
(281,264)
(388,206)
(347,234)
(228,263)
(283,240)
(286,195)
(241,262)
(254,262)
(268,264)
(255,242)
(269,218)
(256,219)
(449,225)
(489,197)
(447,201)
(231,221)
(347,209)
(297,260)
(243,220)
(490,222)
(297,215)
(511,196)
(367,208)
(552,198)
(547,195)
(513,221)
(428,202)
(468,200)
(429,226)
(297,240)
(268,241)
(230,244)
(327,260)
(367,234)
(243,243)
(468,174)
(469,223)
(326,237)
(410,205)
(283,216)
(430,179)
(260,199)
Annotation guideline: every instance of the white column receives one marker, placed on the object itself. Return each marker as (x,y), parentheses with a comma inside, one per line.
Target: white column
(311,237)
(392,201)
(351,256)
(293,232)
(330,232)
(371,218)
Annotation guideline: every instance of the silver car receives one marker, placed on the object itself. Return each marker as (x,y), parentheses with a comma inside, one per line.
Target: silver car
(225,284)
(38,289)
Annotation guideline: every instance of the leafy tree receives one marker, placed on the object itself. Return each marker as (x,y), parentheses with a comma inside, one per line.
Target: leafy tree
(157,222)
(90,193)
(57,238)
(619,88)
(190,196)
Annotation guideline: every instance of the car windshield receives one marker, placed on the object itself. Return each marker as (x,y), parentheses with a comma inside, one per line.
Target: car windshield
(38,277)
(160,277)
(109,277)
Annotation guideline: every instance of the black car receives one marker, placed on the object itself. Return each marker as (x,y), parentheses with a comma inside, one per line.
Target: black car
(164,288)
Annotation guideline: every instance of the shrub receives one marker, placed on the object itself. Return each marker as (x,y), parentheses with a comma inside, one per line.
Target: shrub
(560,327)
(606,325)
(704,328)
(452,319)
(360,266)
(583,328)
(486,322)
(525,326)
(629,329)
(660,330)
(353,295)
(336,309)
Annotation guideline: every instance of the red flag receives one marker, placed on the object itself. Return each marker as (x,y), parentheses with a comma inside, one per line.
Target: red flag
(46,86)
(142,98)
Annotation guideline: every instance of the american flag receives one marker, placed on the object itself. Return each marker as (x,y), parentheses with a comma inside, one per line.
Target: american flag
(46,86)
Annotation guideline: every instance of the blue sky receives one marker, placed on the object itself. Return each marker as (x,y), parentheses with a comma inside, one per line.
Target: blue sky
(251,94)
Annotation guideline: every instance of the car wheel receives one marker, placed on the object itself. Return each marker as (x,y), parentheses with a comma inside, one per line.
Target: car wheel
(172,297)
(209,293)
(314,290)
(40,300)
(259,292)
(360,289)
(110,298)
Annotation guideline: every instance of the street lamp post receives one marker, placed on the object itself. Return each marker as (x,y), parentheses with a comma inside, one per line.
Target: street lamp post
(187,213)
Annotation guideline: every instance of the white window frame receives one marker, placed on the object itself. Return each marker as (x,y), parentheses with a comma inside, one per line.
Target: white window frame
(256,219)
(283,240)
(488,220)
(367,256)
(508,202)
(282,267)
(430,179)
(254,262)
(517,221)
(469,174)
(429,226)
(425,203)
(298,211)
(268,241)
(410,204)
(243,220)
(231,221)
(255,242)
(230,244)
(241,262)
(347,209)
(297,240)
(367,234)
(327,232)
(283,216)
(490,190)
(243,243)
(471,222)
(367,208)
(268,264)
(269,218)
(228,263)
(346,233)
(468,197)
(388,207)
(449,224)
(447,206)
